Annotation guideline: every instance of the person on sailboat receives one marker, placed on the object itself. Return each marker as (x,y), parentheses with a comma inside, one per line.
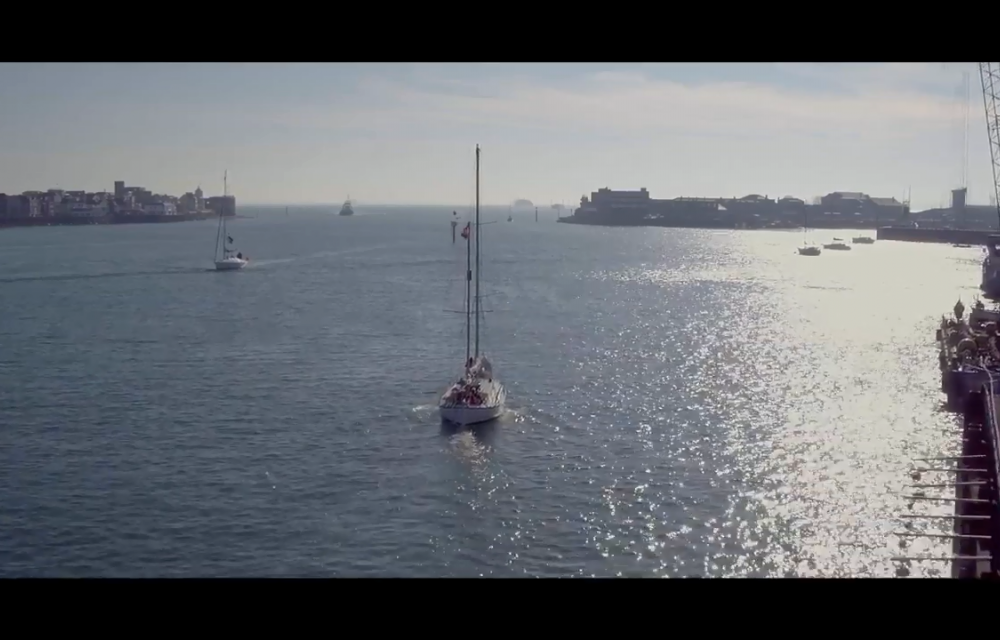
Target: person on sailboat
(240,255)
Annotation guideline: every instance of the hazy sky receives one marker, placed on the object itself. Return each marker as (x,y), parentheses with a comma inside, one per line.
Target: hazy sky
(405,133)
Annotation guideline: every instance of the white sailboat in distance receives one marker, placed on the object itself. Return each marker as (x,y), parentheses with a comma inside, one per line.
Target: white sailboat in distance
(807,249)
(229,259)
(477,396)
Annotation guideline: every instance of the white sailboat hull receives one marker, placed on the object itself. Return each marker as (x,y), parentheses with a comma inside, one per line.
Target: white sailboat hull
(465,415)
(494,396)
(230,264)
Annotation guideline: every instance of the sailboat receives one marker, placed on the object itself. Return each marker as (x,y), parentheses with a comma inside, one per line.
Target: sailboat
(867,239)
(477,396)
(226,261)
(807,249)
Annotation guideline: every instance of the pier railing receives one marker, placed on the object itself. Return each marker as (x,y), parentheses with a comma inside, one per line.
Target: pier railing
(974,482)
(993,441)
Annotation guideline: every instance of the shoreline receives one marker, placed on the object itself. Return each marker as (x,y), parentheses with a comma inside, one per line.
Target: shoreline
(734,225)
(886,233)
(76,221)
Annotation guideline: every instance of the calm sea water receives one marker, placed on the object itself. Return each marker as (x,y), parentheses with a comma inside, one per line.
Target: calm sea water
(682,403)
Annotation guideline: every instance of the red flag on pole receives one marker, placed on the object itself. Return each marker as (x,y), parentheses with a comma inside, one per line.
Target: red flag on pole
(467,230)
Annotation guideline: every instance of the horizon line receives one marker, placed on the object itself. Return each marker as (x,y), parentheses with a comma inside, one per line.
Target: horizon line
(378,204)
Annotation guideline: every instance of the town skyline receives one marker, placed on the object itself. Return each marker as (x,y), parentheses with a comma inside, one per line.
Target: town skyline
(809,199)
(125,201)
(113,191)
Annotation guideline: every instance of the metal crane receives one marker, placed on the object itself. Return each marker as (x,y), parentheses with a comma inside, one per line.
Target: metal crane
(989,73)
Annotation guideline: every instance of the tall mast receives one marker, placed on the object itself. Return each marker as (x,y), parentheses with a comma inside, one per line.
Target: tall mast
(468,297)
(221,229)
(222,211)
(477,251)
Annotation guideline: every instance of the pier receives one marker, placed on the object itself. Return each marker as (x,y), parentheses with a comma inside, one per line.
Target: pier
(922,234)
(976,475)
(971,477)
(969,480)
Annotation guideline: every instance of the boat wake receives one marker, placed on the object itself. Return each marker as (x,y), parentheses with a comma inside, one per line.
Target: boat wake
(259,263)
(97,276)
(345,252)
(513,414)
(426,409)
(471,442)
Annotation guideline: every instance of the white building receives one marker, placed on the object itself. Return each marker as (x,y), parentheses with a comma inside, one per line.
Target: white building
(161,209)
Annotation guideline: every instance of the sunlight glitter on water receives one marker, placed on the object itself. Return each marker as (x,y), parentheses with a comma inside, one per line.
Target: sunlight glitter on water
(682,403)
(825,380)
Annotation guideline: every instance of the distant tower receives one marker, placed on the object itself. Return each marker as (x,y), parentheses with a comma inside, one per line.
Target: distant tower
(198,199)
(119,189)
(958,197)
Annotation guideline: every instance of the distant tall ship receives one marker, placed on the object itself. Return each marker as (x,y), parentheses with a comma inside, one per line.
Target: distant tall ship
(347,209)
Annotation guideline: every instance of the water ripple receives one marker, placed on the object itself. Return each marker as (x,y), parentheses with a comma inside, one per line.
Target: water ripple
(682,403)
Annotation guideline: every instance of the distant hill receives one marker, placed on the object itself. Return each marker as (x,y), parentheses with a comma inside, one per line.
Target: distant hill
(521,202)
